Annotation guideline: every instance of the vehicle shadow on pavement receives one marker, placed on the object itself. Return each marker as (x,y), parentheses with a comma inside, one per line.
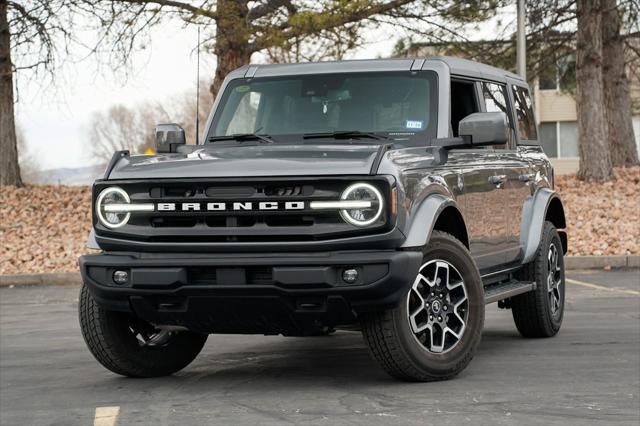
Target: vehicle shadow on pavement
(296,362)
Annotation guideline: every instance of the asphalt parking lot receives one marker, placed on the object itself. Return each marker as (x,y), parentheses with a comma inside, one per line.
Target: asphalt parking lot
(588,374)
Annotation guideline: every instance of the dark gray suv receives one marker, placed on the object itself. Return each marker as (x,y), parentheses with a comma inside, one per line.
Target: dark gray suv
(396,197)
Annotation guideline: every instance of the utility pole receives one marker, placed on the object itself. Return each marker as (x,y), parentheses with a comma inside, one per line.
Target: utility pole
(521,46)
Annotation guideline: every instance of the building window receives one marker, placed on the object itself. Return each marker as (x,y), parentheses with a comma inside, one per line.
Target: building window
(560,75)
(568,135)
(548,79)
(559,139)
(549,138)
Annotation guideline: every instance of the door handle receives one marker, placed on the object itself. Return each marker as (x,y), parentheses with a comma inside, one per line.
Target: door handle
(526,177)
(497,179)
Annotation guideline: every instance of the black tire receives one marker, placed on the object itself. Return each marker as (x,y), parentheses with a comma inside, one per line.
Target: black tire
(533,312)
(111,341)
(390,335)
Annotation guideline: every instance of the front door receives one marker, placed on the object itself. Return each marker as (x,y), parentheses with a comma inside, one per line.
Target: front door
(481,184)
(483,192)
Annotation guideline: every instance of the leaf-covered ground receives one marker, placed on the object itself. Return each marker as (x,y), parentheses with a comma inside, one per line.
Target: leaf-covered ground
(603,219)
(44,228)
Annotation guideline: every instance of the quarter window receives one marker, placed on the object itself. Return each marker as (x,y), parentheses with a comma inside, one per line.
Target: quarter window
(524,114)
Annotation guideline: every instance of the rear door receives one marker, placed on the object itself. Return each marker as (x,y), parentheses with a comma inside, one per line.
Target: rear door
(519,172)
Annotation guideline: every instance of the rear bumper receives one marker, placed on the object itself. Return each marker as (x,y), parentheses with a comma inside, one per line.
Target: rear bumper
(289,293)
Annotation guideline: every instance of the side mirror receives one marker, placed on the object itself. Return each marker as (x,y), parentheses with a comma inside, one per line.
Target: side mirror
(484,128)
(169,137)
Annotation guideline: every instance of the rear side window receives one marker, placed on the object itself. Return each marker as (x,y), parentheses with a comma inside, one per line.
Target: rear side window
(524,114)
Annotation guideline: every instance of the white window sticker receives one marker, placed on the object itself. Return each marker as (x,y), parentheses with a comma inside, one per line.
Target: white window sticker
(414,124)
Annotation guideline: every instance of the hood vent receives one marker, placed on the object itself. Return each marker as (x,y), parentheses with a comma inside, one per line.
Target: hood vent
(288,191)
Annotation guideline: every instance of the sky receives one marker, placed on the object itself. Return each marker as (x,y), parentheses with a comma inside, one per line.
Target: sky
(55,119)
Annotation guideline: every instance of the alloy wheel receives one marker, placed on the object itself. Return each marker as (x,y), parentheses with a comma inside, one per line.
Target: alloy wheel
(438,306)
(554,279)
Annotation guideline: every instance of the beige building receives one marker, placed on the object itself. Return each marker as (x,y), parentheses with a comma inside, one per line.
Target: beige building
(557,121)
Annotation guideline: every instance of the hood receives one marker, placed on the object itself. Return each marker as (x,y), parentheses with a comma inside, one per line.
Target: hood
(248,161)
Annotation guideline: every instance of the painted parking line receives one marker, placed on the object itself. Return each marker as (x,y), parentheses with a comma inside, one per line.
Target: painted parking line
(601,287)
(106,416)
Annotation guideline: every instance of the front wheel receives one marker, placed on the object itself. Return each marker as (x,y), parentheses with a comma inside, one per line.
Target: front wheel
(131,347)
(434,333)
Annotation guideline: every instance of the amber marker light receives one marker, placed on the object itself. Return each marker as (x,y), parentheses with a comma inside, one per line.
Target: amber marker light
(394,201)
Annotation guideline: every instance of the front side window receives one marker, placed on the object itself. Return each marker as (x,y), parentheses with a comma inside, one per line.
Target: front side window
(495,100)
(399,105)
(524,114)
(494,97)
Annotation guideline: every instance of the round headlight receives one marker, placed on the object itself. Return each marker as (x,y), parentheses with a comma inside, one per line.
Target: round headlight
(362,216)
(112,195)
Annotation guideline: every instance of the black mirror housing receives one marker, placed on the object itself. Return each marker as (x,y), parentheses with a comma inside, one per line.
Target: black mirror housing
(485,128)
(169,137)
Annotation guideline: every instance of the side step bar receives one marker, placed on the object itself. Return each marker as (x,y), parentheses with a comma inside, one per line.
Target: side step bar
(496,292)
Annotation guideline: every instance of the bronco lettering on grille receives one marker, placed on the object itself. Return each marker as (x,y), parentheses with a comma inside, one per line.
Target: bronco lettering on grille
(236,206)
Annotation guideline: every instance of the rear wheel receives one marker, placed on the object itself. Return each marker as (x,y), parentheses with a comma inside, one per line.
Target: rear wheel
(131,347)
(435,332)
(539,313)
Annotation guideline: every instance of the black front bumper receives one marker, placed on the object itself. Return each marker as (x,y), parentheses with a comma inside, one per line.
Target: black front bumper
(288,293)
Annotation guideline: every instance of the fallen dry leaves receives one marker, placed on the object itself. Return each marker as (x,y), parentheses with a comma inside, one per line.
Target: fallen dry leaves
(44,228)
(602,219)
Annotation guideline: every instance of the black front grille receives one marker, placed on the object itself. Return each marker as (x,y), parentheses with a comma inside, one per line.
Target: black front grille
(216,276)
(210,224)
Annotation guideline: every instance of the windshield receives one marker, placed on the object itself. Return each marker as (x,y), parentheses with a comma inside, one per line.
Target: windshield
(397,105)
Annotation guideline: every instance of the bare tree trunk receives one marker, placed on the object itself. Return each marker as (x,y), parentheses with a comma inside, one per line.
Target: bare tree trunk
(232,48)
(9,167)
(616,89)
(595,159)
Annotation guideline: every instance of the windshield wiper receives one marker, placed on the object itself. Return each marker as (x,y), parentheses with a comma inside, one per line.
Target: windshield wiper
(344,134)
(242,137)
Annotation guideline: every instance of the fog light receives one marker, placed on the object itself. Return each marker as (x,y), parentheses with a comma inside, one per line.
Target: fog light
(120,277)
(350,276)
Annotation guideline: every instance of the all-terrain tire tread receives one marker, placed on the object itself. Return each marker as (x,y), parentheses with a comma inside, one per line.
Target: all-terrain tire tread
(379,331)
(101,335)
(529,309)
(94,336)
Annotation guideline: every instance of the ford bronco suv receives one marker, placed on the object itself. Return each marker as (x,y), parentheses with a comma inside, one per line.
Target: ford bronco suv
(396,197)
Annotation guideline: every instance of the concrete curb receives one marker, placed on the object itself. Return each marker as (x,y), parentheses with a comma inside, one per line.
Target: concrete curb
(73,278)
(59,278)
(598,262)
